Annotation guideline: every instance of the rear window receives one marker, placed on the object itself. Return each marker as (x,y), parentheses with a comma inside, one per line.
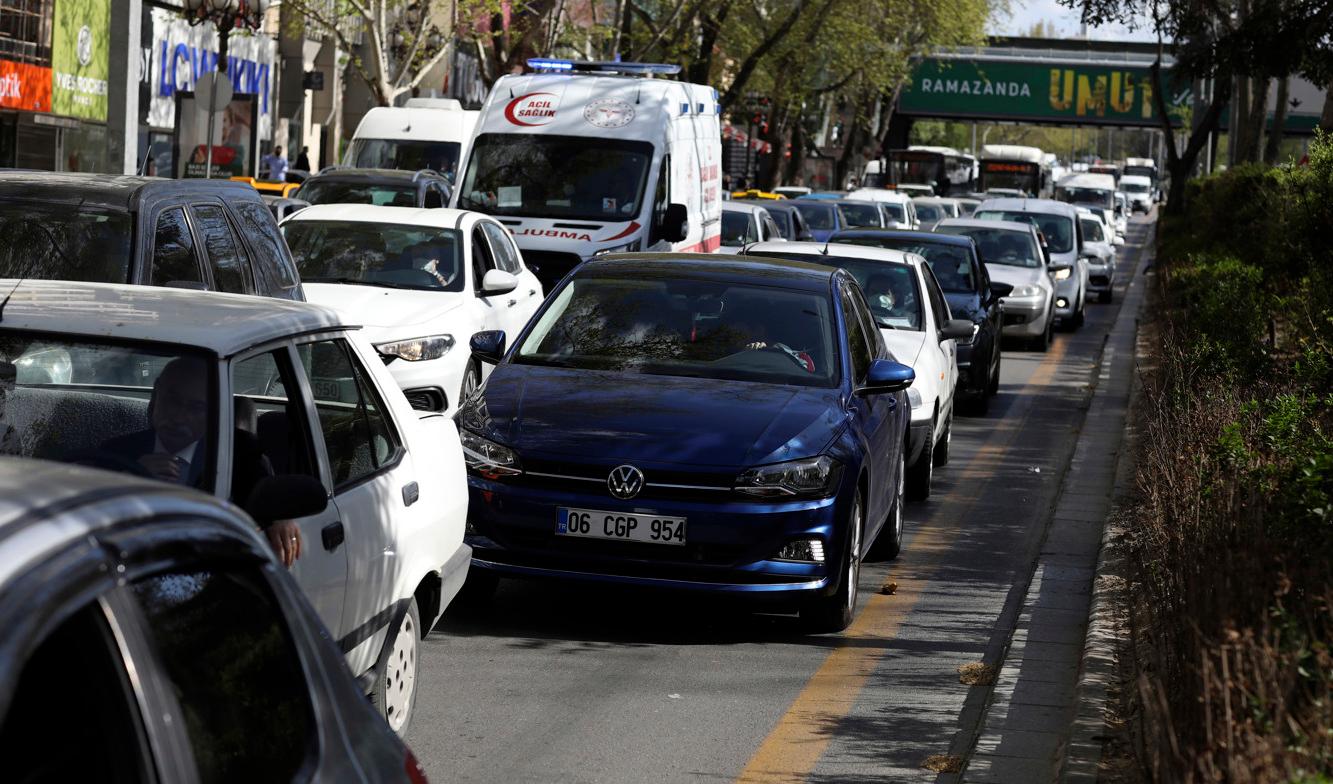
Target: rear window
(65,242)
(817,216)
(866,214)
(353,192)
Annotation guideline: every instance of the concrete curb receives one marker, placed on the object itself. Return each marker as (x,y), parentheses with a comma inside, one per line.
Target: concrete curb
(1098,677)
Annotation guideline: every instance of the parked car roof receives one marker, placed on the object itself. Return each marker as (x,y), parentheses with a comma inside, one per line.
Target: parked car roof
(907,234)
(834,249)
(708,266)
(441,217)
(974,223)
(1028,205)
(743,206)
(222,323)
(108,190)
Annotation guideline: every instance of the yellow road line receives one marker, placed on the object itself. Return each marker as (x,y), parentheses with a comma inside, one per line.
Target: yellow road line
(796,744)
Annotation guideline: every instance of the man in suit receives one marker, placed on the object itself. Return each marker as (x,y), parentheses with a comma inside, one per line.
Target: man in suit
(174,447)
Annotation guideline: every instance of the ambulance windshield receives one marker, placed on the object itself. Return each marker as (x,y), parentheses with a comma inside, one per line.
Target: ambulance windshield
(556,176)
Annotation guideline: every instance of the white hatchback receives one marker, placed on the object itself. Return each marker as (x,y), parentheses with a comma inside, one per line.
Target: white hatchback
(919,330)
(421,281)
(281,407)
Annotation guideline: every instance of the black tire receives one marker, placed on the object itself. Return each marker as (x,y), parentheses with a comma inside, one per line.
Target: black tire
(471,380)
(1104,296)
(889,542)
(1043,341)
(940,456)
(394,692)
(920,473)
(993,385)
(835,612)
(1080,316)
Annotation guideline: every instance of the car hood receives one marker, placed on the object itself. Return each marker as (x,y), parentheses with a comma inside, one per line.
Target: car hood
(1015,276)
(599,415)
(904,344)
(380,309)
(1103,250)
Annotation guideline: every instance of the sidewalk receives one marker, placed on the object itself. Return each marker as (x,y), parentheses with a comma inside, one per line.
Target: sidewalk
(1043,722)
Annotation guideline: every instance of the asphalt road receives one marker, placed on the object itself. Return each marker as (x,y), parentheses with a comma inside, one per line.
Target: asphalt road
(560,683)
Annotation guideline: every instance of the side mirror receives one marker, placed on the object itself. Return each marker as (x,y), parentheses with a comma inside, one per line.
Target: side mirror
(286,497)
(675,223)
(805,236)
(1118,241)
(957,329)
(1000,290)
(885,375)
(497,282)
(488,346)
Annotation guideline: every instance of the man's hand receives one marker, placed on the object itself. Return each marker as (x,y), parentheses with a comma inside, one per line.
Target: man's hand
(285,537)
(168,467)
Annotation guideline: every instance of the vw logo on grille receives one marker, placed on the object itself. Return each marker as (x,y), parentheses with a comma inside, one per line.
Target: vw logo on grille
(625,481)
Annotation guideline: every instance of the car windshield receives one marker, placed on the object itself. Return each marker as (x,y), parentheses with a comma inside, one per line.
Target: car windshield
(581,177)
(697,328)
(890,287)
(65,242)
(951,264)
(864,214)
(1058,229)
(817,216)
(411,155)
(930,213)
(1093,196)
(1134,187)
(1000,246)
(376,254)
(132,408)
(318,191)
(1092,229)
(738,229)
(896,212)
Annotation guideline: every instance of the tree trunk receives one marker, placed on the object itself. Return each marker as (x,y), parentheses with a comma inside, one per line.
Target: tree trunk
(849,147)
(1239,108)
(1326,119)
(1180,164)
(1255,116)
(1274,144)
(702,65)
(796,163)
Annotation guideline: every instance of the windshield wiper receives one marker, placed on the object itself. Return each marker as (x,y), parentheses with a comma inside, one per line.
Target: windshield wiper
(360,282)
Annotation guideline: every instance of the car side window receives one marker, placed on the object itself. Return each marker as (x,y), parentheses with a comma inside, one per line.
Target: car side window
(856,337)
(482,260)
(224,252)
(358,437)
(270,423)
(661,200)
(223,642)
(173,250)
(771,230)
(273,269)
(506,257)
(874,338)
(938,304)
(433,198)
(78,667)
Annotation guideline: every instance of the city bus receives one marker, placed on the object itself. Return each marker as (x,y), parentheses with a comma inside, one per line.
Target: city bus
(946,170)
(1010,167)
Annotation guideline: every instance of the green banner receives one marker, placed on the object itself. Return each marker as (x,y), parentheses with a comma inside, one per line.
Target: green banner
(1037,92)
(80,58)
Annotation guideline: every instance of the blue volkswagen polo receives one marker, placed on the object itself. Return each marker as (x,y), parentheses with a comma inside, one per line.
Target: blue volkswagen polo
(691,422)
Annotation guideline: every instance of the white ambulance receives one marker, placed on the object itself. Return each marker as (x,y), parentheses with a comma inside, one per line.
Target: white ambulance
(581,159)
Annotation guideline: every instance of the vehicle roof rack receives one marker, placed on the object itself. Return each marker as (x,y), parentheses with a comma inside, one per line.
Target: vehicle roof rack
(555,65)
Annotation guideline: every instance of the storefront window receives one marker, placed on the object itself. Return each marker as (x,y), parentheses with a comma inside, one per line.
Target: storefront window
(83,149)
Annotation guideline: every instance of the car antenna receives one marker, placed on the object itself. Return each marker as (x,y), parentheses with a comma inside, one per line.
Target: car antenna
(825,250)
(5,301)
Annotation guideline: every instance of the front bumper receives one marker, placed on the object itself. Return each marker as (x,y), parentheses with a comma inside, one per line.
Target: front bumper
(918,436)
(444,374)
(731,542)
(1066,292)
(1101,278)
(452,576)
(1024,317)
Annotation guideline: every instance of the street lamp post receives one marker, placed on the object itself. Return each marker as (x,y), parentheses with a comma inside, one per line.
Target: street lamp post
(226,15)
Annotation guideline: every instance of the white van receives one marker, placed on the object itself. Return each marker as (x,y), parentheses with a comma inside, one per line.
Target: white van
(1093,190)
(590,158)
(427,133)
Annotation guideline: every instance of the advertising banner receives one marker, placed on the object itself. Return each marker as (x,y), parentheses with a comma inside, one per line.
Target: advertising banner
(234,138)
(81,58)
(24,86)
(180,53)
(1038,91)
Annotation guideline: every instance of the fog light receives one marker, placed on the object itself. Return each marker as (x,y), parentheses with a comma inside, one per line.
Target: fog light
(809,550)
(1061,302)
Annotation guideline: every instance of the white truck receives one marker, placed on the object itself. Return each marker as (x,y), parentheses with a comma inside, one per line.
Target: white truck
(585,158)
(427,133)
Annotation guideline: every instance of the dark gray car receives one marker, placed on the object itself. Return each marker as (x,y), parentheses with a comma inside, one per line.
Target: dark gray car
(214,235)
(150,635)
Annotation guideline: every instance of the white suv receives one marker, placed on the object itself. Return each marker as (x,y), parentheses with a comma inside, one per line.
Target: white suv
(421,281)
(230,394)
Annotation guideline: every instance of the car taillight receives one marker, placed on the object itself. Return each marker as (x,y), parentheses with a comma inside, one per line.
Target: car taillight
(413,768)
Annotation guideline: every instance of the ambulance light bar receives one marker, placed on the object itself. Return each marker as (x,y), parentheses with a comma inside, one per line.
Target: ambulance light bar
(591,66)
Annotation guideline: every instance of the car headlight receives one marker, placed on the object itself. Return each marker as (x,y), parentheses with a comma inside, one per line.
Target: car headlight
(1026,291)
(418,349)
(487,458)
(914,397)
(1062,274)
(628,248)
(811,477)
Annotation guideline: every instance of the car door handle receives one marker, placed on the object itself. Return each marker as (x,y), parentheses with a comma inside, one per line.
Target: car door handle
(333,535)
(513,302)
(532,292)
(411,492)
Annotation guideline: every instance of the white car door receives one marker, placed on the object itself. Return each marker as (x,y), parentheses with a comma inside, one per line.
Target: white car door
(488,312)
(374,488)
(269,411)
(946,351)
